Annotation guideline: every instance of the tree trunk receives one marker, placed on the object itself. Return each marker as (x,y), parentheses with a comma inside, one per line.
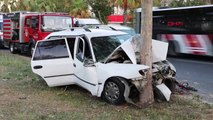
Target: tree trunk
(146,95)
(125,11)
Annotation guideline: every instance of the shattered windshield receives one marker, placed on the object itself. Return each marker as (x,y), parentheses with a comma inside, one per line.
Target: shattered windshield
(56,23)
(104,46)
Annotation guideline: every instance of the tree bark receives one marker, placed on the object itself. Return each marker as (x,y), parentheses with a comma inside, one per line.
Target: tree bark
(146,95)
(125,11)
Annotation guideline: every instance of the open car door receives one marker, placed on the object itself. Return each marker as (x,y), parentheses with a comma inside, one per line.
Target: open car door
(53,61)
(84,67)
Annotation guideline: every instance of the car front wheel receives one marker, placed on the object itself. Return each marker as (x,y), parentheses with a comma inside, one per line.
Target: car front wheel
(114,91)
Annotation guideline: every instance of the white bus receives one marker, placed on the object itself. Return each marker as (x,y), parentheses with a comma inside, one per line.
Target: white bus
(188,30)
(1,30)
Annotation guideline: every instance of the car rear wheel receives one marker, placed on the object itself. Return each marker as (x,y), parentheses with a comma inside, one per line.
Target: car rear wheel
(114,91)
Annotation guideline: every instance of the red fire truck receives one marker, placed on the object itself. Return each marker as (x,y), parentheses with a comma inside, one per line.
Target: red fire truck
(21,30)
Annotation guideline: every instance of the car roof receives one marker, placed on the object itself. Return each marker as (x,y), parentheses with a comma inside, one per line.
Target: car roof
(88,21)
(85,31)
(119,27)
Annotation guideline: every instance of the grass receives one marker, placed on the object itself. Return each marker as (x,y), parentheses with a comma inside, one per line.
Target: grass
(25,96)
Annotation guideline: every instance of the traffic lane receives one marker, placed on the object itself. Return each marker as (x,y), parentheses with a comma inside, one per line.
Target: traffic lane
(199,74)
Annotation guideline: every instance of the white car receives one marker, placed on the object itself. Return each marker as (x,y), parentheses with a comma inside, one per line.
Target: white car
(101,61)
(116,27)
(80,22)
(122,28)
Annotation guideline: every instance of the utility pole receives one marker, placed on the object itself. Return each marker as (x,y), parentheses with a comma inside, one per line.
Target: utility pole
(146,94)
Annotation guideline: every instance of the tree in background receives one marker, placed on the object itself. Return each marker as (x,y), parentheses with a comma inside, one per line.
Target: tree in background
(35,5)
(130,5)
(157,3)
(77,8)
(29,5)
(207,1)
(4,8)
(127,5)
(101,9)
(183,3)
(6,3)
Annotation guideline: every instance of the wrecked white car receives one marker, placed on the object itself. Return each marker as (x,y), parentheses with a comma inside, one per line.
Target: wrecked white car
(101,61)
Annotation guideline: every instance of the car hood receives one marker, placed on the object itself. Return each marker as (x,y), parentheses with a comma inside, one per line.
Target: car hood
(128,71)
(132,49)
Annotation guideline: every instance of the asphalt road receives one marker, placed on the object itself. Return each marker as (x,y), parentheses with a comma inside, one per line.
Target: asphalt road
(197,73)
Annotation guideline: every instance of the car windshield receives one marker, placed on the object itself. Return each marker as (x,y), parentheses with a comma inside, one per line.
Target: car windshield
(56,23)
(105,45)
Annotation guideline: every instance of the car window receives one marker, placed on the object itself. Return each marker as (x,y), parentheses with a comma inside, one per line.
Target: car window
(80,50)
(51,50)
(87,53)
(71,44)
(83,50)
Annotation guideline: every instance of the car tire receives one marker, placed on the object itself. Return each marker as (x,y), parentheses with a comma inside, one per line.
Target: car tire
(31,50)
(12,48)
(113,92)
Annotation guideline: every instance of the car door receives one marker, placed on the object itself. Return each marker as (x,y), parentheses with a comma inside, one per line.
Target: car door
(52,61)
(84,68)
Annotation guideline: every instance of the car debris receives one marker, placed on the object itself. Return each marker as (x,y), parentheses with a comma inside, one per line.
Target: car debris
(104,62)
(163,71)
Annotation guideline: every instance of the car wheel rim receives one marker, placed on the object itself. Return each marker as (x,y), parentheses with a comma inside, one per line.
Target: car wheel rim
(112,91)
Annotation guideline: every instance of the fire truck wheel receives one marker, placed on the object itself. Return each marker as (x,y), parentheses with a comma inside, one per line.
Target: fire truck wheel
(32,48)
(1,45)
(12,48)
(113,92)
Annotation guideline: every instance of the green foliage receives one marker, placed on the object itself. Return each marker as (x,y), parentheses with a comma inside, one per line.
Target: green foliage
(101,8)
(157,3)
(4,8)
(74,7)
(36,5)
(79,8)
(183,3)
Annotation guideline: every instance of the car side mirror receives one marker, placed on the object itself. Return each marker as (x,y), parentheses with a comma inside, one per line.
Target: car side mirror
(88,63)
(77,24)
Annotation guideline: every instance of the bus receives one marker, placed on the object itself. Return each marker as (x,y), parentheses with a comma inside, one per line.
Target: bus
(1,30)
(188,30)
